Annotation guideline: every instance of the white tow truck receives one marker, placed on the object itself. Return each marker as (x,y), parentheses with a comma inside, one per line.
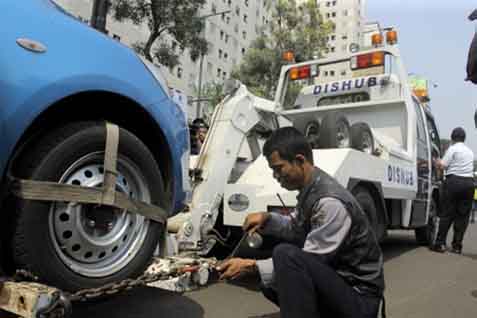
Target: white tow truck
(369,131)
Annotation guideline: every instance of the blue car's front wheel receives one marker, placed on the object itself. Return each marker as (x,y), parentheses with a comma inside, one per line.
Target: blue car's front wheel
(74,246)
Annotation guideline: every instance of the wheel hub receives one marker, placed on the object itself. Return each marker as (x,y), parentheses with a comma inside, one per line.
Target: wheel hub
(97,240)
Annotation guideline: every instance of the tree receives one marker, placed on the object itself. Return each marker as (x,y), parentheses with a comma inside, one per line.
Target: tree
(211,95)
(177,18)
(300,29)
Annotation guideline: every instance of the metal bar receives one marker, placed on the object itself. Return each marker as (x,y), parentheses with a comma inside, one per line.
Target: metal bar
(110,159)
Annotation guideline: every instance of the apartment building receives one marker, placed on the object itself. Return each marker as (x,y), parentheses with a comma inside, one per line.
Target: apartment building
(229,33)
(349,19)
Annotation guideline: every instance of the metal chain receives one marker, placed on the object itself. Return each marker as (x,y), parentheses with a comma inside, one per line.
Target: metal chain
(117,287)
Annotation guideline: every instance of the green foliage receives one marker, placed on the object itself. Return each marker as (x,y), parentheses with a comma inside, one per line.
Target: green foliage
(177,18)
(300,29)
(211,95)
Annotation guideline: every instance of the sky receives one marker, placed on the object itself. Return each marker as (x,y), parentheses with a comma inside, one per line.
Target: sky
(434,39)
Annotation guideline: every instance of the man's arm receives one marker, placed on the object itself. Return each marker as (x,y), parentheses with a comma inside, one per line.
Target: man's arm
(330,224)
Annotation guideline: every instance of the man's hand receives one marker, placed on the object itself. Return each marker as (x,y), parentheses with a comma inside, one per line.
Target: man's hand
(254,221)
(234,267)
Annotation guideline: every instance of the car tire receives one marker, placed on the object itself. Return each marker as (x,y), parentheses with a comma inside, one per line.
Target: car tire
(62,243)
(426,235)
(367,203)
(362,138)
(334,131)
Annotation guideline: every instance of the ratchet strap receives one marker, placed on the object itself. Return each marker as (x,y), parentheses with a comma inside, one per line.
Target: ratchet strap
(106,195)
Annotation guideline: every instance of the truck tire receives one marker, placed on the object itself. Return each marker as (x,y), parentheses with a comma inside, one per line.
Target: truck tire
(426,235)
(362,138)
(367,203)
(75,246)
(334,131)
(312,133)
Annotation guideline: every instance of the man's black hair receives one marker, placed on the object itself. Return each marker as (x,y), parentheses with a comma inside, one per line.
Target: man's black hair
(458,134)
(288,142)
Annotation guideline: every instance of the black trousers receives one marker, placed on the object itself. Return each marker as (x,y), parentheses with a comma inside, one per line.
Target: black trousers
(457,196)
(307,287)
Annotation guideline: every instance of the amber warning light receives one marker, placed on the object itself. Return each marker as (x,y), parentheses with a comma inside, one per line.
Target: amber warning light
(303,72)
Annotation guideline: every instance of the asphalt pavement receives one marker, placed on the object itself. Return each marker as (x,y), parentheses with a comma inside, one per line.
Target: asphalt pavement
(419,284)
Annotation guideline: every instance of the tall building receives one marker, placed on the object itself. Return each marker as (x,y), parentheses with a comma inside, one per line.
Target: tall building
(229,33)
(348,17)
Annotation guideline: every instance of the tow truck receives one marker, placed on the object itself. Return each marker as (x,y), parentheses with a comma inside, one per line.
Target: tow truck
(372,131)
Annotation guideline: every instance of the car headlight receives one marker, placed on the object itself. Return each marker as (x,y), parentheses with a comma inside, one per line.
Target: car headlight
(156,73)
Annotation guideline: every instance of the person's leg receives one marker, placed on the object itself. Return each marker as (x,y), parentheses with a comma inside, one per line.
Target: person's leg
(464,206)
(270,294)
(307,287)
(446,214)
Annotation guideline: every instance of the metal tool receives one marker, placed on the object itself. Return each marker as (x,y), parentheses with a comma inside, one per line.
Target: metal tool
(244,236)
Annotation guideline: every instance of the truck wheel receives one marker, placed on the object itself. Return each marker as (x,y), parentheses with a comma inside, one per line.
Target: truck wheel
(74,246)
(426,235)
(312,133)
(334,131)
(362,138)
(367,203)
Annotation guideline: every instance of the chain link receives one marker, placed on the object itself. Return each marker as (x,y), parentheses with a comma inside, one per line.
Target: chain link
(117,287)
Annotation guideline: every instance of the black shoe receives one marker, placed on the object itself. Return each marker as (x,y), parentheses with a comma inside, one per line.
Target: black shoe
(456,250)
(439,248)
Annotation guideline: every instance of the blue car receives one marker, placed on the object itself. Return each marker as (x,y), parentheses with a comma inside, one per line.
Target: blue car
(60,81)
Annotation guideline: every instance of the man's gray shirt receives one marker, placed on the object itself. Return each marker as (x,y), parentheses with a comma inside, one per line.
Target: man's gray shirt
(330,223)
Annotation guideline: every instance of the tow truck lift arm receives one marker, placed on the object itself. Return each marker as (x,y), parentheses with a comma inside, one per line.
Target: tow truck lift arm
(234,122)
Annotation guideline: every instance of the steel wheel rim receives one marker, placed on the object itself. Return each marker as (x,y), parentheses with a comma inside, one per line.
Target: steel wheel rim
(84,248)
(367,143)
(342,135)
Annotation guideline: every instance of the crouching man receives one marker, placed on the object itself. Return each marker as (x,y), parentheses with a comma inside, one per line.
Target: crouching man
(329,263)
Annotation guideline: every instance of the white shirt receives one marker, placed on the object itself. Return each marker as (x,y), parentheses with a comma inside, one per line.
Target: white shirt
(459,160)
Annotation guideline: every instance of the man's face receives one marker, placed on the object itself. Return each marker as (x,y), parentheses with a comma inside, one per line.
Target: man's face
(290,175)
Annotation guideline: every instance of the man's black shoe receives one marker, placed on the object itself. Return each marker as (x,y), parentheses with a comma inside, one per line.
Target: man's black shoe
(439,248)
(456,250)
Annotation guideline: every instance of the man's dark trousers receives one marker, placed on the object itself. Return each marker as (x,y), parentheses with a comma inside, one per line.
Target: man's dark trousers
(457,197)
(308,287)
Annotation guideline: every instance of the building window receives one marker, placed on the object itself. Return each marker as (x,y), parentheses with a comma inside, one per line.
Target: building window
(229,2)
(209,68)
(220,53)
(221,34)
(228,20)
(344,37)
(226,38)
(179,72)
(224,75)
(332,49)
(219,72)
(223,16)
(225,56)
(237,10)
(245,18)
(333,37)
(246,3)
(214,8)
(328,3)
(334,2)
(332,73)
(343,73)
(333,14)
(243,50)
(236,28)
(244,35)
(326,73)
(345,13)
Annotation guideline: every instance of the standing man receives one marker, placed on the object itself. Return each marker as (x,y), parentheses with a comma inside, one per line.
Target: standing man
(329,263)
(457,192)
